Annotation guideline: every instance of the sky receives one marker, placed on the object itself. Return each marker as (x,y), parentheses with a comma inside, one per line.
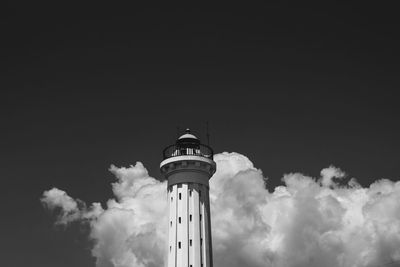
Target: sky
(295,88)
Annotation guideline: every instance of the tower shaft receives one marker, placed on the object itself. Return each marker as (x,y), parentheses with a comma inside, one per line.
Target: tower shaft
(189,226)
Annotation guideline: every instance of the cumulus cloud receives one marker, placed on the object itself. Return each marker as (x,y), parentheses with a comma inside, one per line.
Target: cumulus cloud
(69,210)
(306,222)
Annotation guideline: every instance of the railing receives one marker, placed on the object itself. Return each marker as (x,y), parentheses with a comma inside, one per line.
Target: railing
(187,150)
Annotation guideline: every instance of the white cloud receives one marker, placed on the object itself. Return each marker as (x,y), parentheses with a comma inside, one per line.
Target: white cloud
(69,210)
(308,222)
(328,174)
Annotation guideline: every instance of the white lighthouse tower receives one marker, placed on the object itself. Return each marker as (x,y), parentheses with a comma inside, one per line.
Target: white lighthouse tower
(188,165)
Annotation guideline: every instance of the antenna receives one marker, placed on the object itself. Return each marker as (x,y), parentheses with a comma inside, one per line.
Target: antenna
(208,134)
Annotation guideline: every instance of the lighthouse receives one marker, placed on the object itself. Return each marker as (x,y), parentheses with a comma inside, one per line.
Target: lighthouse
(188,165)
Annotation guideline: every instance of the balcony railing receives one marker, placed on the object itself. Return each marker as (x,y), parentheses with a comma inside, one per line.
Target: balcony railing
(187,150)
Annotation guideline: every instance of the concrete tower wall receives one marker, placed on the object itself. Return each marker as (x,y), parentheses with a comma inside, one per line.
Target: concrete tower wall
(189,226)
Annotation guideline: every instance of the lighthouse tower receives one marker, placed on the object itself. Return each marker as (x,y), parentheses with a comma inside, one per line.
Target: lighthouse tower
(188,165)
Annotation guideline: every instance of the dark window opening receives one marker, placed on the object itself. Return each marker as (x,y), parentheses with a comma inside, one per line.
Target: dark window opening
(200,217)
(179,244)
(180,195)
(190,242)
(179,219)
(190,217)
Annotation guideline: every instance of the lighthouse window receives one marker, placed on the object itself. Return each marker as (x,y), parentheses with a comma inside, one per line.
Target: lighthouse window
(179,219)
(190,242)
(201,241)
(172,199)
(190,217)
(179,244)
(200,217)
(170,248)
(190,192)
(180,195)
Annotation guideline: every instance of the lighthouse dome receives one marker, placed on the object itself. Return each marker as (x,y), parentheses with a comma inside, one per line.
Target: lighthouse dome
(188,137)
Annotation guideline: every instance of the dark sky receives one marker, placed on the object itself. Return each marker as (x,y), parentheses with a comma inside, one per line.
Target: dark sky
(294,87)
